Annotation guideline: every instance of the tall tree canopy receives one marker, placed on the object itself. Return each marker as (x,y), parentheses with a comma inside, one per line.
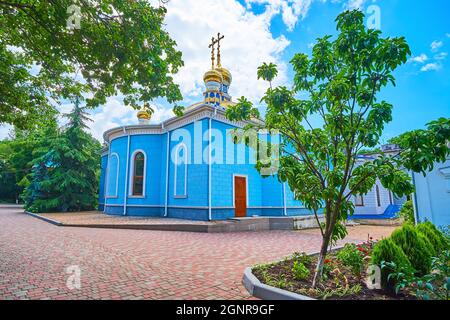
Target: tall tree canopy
(17,153)
(120,46)
(341,81)
(65,178)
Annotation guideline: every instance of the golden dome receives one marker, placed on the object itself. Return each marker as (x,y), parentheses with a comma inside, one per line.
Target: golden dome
(226,75)
(212,75)
(144,115)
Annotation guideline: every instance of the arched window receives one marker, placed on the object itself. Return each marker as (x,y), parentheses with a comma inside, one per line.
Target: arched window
(138,184)
(377,190)
(112,176)
(180,176)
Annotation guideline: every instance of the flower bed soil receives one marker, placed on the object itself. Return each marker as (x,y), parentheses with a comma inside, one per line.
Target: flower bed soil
(280,275)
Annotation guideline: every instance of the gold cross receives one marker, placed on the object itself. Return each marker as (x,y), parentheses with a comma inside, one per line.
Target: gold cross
(213,43)
(218,49)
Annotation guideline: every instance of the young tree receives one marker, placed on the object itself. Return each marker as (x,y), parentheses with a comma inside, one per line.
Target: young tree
(72,167)
(341,81)
(267,72)
(59,49)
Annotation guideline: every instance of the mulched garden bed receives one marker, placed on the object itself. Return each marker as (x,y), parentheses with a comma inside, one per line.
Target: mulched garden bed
(340,284)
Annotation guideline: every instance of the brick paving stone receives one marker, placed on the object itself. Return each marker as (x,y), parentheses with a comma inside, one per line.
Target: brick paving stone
(139,264)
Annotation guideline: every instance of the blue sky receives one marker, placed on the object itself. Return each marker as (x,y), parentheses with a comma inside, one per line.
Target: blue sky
(422,93)
(259,31)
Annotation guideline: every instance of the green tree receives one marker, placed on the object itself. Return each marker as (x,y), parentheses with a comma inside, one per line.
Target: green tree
(17,153)
(178,110)
(119,47)
(8,190)
(72,166)
(36,193)
(267,72)
(341,80)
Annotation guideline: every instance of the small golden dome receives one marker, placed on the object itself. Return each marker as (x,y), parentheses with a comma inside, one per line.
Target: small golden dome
(226,75)
(212,75)
(144,115)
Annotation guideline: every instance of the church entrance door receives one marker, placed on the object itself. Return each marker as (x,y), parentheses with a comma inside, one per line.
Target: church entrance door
(240,196)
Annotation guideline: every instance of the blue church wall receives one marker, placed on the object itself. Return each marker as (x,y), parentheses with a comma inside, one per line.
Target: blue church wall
(188,213)
(264,195)
(223,172)
(197,173)
(162,171)
(116,171)
(273,192)
(290,199)
(151,145)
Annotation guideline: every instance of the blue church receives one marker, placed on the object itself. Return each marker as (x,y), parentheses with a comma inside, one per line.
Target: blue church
(189,166)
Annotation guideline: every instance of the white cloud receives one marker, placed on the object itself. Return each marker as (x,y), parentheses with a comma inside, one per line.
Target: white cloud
(430,67)
(419,59)
(355,4)
(114,114)
(291,10)
(441,56)
(436,45)
(248,42)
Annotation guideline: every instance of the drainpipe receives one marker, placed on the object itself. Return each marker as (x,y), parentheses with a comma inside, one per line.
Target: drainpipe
(125,195)
(284,189)
(167,175)
(209,169)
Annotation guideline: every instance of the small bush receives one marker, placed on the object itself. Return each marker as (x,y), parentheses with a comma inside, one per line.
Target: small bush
(300,271)
(415,247)
(351,257)
(302,258)
(407,212)
(387,251)
(436,238)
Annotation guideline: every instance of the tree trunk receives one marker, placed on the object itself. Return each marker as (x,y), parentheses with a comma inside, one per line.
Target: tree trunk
(322,255)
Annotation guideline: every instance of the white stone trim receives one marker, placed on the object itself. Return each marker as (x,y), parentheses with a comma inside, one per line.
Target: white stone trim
(199,113)
(179,146)
(113,154)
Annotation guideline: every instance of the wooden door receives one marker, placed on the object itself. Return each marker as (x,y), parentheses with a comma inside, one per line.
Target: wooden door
(240,196)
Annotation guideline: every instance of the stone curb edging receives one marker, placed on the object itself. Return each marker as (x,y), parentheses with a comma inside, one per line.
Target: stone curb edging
(156,227)
(265,292)
(54,222)
(233,225)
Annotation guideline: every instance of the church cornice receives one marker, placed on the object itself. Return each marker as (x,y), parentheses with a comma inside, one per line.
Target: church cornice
(202,111)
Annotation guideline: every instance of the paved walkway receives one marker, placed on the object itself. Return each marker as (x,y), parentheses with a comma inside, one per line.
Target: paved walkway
(137,264)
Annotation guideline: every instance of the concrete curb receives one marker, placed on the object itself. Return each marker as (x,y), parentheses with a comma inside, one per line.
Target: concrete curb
(265,292)
(54,222)
(232,225)
(162,227)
